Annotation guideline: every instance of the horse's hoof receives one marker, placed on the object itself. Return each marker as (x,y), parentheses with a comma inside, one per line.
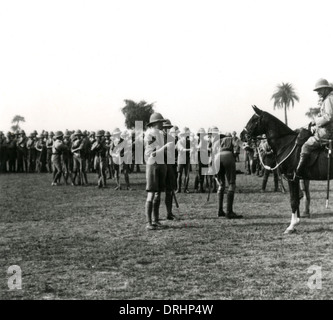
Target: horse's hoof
(290,231)
(305,215)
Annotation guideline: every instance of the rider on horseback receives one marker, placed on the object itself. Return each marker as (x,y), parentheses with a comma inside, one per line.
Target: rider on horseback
(323,123)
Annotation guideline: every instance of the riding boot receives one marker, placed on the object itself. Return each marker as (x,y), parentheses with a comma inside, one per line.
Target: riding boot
(276,183)
(168,204)
(149,210)
(230,200)
(220,195)
(302,163)
(264,183)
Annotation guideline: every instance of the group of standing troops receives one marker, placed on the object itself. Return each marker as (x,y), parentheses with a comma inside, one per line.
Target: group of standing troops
(169,154)
(69,155)
(72,154)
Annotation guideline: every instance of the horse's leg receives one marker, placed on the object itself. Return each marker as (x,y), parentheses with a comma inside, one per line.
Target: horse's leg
(305,187)
(294,201)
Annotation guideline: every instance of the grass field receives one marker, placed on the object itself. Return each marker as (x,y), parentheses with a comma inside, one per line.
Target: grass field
(89,243)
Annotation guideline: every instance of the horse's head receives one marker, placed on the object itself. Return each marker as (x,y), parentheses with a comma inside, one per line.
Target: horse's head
(255,126)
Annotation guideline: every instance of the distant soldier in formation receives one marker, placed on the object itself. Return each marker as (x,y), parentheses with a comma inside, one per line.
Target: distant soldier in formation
(109,164)
(237,145)
(269,159)
(67,158)
(121,153)
(31,153)
(3,153)
(58,148)
(21,147)
(169,158)
(11,152)
(201,165)
(101,151)
(49,144)
(39,146)
(184,148)
(78,158)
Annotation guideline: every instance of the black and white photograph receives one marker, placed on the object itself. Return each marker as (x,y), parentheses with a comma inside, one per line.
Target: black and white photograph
(166,155)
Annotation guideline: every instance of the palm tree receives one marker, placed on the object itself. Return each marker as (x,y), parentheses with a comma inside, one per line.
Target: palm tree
(284,96)
(17,119)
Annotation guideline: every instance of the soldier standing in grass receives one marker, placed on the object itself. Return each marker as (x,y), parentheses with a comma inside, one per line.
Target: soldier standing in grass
(170,183)
(268,159)
(101,151)
(31,153)
(49,144)
(67,159)
(120,151)
(77,149)
(108,157)
(224,163)
(156,169)
(39,149)
(184,149)
(21,147)
(58,147)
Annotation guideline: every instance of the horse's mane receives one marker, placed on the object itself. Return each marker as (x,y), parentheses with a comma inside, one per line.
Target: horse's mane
(282,127)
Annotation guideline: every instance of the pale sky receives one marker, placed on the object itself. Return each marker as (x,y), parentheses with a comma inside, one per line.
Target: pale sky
(72,63)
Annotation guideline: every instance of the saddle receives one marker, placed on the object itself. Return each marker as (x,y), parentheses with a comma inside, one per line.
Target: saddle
(302,137)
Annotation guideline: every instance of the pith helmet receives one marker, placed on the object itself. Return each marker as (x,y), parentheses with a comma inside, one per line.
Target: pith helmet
(107,134)
(213,130)
(125,134)
(116,131)
(322,83)
(58,134)
(201,131)
(22,132)
(184,131)
(78,133)
(167,124)
(155,118)
(100,133)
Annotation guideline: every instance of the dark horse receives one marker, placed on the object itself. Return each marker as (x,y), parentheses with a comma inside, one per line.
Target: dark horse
(286,144)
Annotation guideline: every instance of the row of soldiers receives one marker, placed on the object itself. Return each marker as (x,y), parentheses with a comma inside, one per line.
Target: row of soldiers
(33,153)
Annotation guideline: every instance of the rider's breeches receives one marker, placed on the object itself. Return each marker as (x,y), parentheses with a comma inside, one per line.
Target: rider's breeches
(311,144)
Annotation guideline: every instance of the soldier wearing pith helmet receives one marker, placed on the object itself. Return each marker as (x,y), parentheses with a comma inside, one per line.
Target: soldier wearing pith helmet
(170,183)
(323,123)
(100,150)
(156,169)
(58,148)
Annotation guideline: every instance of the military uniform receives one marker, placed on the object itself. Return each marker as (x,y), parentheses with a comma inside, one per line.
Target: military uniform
(101,151)
(11,152)
(31,153)
(184,148)
(323,123)
(225,166)
(268,159)
(78,145)
(156,169)
(58,147)
(39,146)
(48,145)
(170,180)
(121,153)
(21,147)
